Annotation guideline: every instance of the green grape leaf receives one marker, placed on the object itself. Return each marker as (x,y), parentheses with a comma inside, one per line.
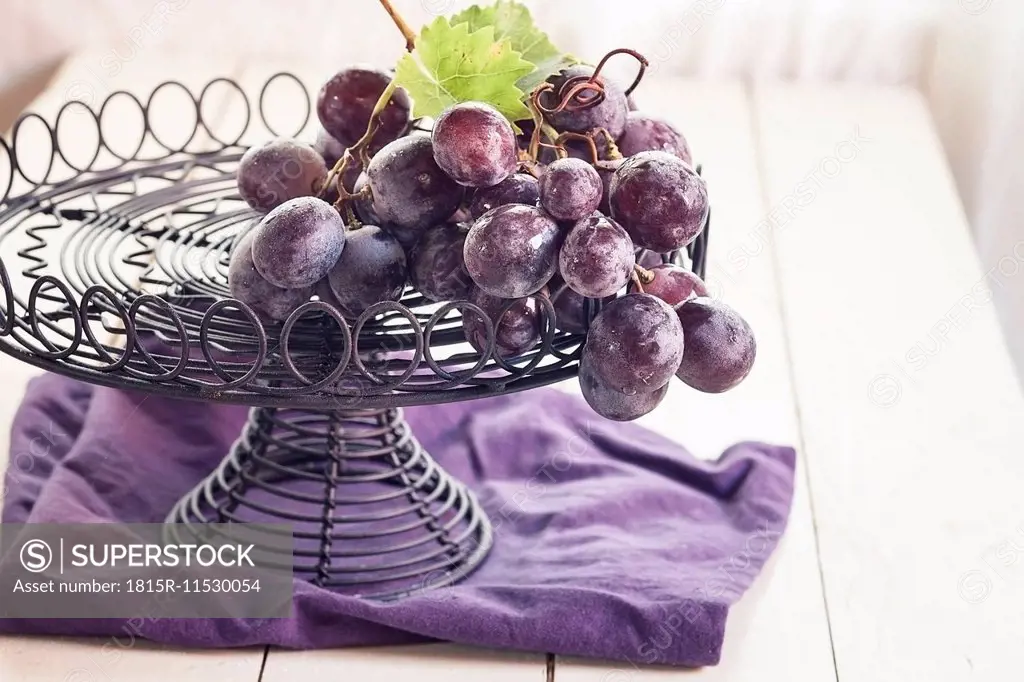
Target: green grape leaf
(453,64)
(513,21)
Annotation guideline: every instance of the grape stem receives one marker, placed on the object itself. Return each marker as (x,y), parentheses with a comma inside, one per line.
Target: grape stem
(641,60)
(371,127)
(344,205)
(611,149)
(407,33)
(569,95)
(577,93)
(529,164)
(560,151)
(350,217)
(564,137)
(359,148)
(642,275)
(636,281)
(541,128)
(538,118)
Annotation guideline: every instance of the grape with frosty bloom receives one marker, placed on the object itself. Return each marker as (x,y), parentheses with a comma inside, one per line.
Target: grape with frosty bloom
(720,346)
(519,188)
(616,405)
(516,330)
(596,259)
(298,242)
(372,268)
(276,171)
(570,189)
(673,284)
(635,345)
(346,102)
(437,264)
(645,133)
(409,189)
(610,113)
(659,199)
(512,250)
(474,144)
(271,303)
(581,206)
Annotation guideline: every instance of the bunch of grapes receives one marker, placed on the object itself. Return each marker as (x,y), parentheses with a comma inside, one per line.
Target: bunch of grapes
(576,204)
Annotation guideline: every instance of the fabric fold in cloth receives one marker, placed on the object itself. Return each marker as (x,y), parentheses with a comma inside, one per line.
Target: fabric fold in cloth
(610,541)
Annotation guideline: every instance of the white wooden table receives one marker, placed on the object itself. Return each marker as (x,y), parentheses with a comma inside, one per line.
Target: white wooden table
(838,233)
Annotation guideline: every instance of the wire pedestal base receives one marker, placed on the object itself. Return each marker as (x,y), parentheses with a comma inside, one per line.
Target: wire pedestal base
(372,514)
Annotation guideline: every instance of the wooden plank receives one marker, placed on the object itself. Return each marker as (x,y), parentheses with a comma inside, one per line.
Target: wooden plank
(428,663)
(34,659)
(108,659)
(911,410)
(780,625)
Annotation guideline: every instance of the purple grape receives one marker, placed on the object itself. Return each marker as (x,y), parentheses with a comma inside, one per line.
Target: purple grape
(346,102)
(518,188)
(635,344)
(437,266)
(328,147)
(606,169)
(298,242)
(372,268)
(406,237)
(351,176)
(570,189)
(570,310)
(364,207)
(348,179)
(596,259)
(616,405)
(645,133)
(526,127)
(475,144)
(720,346)
(660,200)
(674,285)
(609,114)
(323,291)
(648,259)
(271,303)
(410,191)
(516,332)
(512,250)
(462,216)
(276,171)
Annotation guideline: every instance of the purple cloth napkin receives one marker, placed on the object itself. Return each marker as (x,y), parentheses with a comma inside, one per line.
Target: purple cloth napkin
(626,547)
